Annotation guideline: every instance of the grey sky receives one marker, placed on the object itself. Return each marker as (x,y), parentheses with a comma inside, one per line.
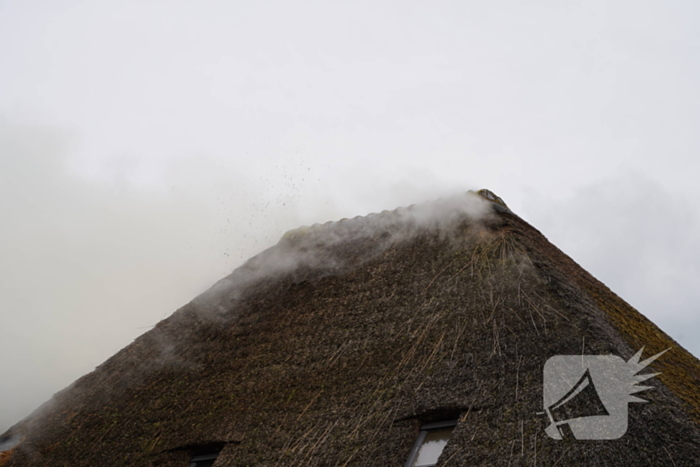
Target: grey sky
(147,148)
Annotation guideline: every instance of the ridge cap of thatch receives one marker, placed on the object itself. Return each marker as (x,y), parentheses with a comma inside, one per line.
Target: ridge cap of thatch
(395,214)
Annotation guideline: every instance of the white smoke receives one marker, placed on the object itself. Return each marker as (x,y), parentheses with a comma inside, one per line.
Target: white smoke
(89,261)
(311,246)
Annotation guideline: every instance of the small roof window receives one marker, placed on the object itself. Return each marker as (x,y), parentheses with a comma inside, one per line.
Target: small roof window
(205,457)
(431,441)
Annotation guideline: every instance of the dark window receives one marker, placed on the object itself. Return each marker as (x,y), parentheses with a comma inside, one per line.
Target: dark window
(432,439)
(206,459)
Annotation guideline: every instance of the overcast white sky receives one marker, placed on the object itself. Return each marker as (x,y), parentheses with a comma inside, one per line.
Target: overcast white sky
(149,147)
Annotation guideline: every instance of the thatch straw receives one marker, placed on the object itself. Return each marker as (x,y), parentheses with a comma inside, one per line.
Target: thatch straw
(364,330)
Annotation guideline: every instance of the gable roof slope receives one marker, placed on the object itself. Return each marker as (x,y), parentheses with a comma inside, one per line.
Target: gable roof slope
(335,345)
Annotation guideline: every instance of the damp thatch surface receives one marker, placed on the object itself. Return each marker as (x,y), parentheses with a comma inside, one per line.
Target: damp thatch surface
(334,346)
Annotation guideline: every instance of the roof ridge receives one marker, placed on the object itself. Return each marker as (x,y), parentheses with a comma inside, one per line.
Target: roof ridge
(484,193)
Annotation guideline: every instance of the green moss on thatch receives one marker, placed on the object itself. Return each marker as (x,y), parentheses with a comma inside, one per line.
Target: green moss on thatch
(680,370)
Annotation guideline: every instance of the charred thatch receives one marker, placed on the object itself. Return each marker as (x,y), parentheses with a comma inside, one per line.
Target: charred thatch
(333,347)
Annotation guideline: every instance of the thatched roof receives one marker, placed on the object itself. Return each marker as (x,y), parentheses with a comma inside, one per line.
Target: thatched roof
(334,346)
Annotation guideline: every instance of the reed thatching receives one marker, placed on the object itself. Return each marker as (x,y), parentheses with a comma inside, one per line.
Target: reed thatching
(332,347)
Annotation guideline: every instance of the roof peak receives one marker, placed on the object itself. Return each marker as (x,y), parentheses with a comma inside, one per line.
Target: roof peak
(491,196)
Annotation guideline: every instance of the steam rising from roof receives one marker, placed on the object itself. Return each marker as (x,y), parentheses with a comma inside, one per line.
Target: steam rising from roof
(314,247)
(8,442)
(438,214)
